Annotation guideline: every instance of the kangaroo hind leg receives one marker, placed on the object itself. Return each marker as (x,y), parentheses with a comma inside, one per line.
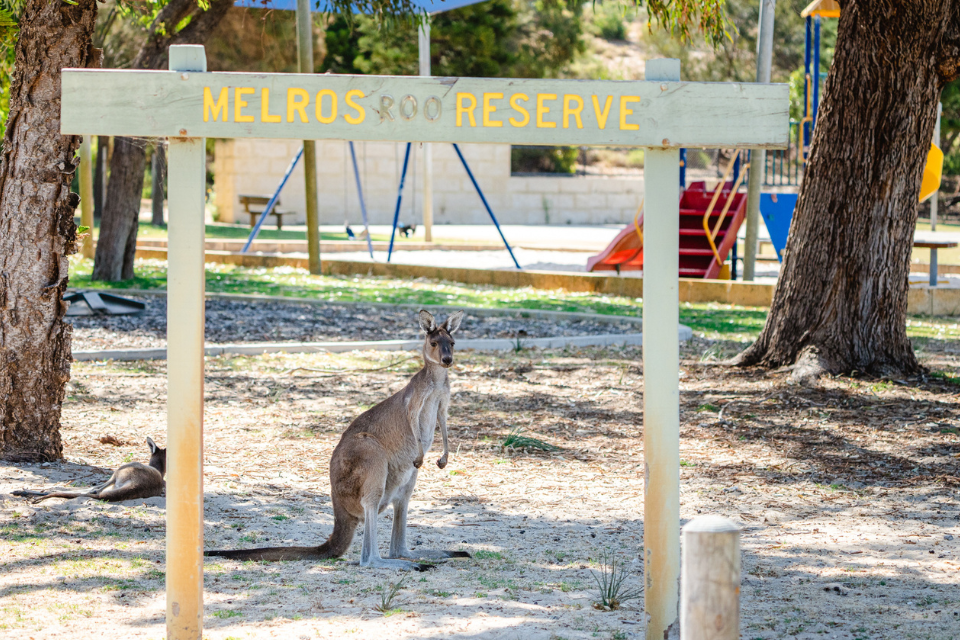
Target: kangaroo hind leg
(398,541)
(369,554)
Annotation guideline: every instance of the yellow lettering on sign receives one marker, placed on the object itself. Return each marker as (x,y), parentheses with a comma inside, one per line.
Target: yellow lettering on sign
(333,106)
(297,101)
(361,114)
(515,103)
(604,113)
(463,108)
(217,109)
(239,103)
(624,112)
(568,110)
(265,115)
(543,110)
(488,109)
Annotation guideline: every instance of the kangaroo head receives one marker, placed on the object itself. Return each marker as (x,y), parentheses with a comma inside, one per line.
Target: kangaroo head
(438,344)
(158,457)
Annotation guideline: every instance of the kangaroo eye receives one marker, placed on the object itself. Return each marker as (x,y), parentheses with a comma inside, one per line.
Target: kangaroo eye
(433,344)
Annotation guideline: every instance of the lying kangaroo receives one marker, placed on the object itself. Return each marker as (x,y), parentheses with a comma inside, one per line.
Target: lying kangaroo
(376,462)
(131,481)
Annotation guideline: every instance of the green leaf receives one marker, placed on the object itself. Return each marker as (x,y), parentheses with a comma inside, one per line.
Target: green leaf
(82,229)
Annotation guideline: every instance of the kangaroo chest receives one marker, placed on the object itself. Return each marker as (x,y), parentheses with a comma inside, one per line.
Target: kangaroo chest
(428,419)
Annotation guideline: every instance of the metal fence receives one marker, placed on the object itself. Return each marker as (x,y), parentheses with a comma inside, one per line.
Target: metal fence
(784,167)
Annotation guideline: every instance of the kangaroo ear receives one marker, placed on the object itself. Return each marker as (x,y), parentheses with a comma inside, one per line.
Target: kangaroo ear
(152,445)
(427,323)
(452,323)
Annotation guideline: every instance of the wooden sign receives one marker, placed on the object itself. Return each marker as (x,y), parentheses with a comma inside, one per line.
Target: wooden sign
(489,110)
(188,104)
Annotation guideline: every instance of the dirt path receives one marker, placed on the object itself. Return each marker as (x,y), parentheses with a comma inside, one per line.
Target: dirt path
(853,484)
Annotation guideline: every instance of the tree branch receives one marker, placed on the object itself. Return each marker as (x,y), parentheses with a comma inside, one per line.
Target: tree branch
(153,53)
(948,57)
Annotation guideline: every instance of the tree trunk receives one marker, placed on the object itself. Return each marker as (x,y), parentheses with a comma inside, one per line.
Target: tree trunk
(159,173)
(100,177)
(117,244)
(37,232)
(121,212)
(841,302)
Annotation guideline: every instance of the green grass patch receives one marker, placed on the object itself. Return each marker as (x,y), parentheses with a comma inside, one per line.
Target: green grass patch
(483,554)
(224,614)
(298,283)
(516,440)
(709,320)
(226,231)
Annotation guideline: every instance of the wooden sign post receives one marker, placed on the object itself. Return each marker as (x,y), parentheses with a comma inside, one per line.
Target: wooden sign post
(186,105)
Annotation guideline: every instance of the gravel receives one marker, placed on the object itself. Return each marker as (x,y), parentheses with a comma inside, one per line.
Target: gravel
(235,322)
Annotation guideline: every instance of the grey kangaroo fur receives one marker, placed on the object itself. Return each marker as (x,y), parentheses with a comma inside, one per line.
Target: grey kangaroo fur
(377,461)
(131,481)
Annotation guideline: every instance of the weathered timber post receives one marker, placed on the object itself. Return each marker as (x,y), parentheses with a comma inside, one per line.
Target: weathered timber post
(305,65)
(185,325)
(710,586)
(86,195)
(423,44)
(661,366)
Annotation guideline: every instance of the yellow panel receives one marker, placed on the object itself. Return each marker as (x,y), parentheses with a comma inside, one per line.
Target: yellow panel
(931,173)
(822,8)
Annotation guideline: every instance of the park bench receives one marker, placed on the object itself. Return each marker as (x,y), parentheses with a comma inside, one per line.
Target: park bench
(255,204)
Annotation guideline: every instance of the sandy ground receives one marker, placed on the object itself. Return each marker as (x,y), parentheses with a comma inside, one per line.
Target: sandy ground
(847,495)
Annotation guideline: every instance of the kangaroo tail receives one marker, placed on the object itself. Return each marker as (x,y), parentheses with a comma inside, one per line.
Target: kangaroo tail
(270,553)
(44,495)
(335,546)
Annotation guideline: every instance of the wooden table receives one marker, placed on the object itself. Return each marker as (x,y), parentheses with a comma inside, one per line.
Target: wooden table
(933,245)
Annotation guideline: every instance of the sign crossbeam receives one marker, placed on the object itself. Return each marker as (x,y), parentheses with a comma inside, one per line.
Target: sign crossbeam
(425,109)
(188,104)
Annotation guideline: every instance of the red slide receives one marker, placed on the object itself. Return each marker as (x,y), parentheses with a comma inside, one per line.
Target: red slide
(697,260)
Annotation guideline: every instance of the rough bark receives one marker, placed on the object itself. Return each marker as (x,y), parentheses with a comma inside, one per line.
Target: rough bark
(121,209)
(37,230)
(159,174)
(116,246)
(841,301)
(99,177)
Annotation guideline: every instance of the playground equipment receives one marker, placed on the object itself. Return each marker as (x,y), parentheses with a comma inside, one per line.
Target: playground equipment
(813,78)
(707,235)
(423,42)
(777,208)
(476,185)
(187,105)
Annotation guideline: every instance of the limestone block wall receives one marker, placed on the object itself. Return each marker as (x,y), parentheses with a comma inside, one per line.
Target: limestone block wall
(257,166)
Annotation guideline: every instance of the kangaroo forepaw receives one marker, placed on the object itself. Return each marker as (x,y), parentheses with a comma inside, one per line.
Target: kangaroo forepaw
(442,462)
(418,462)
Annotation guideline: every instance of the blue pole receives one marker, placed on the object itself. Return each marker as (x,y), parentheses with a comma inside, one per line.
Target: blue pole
(683,168)
(273,201)
(807,43)
(815,77)
(363,207)
(484,200)
(396,213)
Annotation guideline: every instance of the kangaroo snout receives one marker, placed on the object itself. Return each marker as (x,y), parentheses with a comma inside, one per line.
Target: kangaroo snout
(446,361)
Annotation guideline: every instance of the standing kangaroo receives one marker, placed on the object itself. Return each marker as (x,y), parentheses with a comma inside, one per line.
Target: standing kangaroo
(131,481)
(377,461)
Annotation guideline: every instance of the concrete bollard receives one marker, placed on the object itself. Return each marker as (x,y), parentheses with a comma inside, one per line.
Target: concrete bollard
(710,580)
